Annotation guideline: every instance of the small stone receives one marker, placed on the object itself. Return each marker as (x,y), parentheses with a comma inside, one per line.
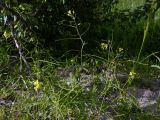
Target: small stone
(122,77)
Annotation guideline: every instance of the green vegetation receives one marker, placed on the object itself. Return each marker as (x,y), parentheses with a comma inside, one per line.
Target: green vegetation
(79,60)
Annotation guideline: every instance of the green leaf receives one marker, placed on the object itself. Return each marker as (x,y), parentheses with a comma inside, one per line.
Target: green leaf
(155,66)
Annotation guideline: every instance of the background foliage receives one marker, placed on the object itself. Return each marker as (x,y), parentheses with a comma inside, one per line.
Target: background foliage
(44,28)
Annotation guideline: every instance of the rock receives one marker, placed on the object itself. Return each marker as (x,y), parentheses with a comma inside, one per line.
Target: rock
(153,85)
(86,81)
(147,99)
(122,77)
(64,73)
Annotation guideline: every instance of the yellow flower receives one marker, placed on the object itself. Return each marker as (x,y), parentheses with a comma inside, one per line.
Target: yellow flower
(69,13)
(132,74)
(31,39)
(120,49)
(72,60)
(104,46)
(36,85)
(6,34)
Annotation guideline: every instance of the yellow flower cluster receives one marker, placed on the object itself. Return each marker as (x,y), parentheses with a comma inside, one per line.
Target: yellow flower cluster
(70,14)
(6,34)
(36,85)
(132,74)
(104,46)
(120,49)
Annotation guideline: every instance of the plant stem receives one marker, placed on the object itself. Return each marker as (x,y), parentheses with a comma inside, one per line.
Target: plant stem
(80,37)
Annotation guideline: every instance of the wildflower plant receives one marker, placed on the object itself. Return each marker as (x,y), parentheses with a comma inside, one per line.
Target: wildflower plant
(75,25)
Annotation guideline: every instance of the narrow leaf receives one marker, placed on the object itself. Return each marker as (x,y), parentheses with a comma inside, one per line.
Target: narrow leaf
(155,66)
(157,57)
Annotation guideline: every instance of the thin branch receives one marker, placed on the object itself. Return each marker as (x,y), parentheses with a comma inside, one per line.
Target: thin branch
(20,51)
